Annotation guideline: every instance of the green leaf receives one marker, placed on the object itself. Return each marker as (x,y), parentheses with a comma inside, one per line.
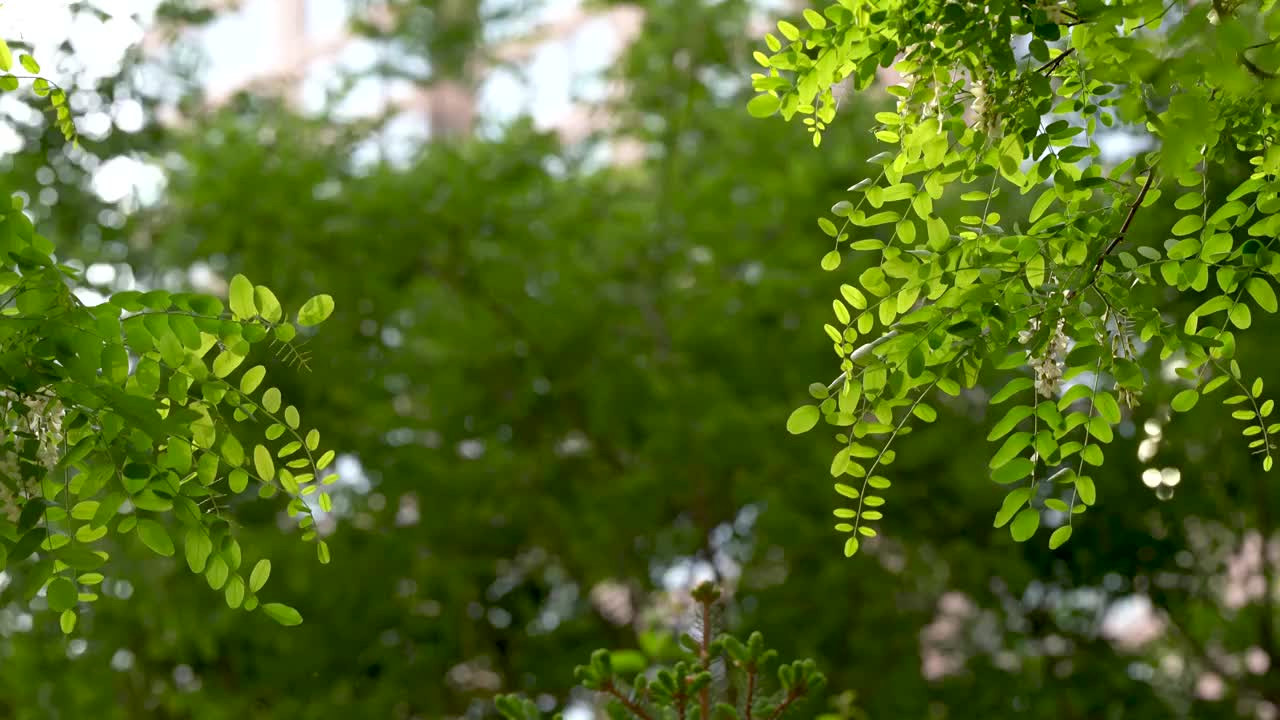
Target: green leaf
(153,535)
(267,304)
(854,297)
(1059,536)
(241,298)
(1016,414)
(939,234)
(1241,316)
(1262,293)
(1092,454)
(6,57)
(1013,387)
(258,578)
(1036,271)
(315,310)
(1013,445)
(178,454)
(282,614)
(115,363)
(1185,400)
(1042,204)
(271,400)
(1190,201)
(815,20)
(1025,525)
(1085,488)
(263,463)
(238,480)
(831,260)
(79,558)
(763,106)
(1013,471)
(1107,407)
(232,451)
(851,546)
(252,378)
(197,548)
(1012,503)
(67,621)
(61,594)
(803,419)
(1187,225)
(29,64)
(217,572)
(234,592)
(226,362)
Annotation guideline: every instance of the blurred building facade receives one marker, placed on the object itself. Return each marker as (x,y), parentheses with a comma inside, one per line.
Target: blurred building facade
(546,62)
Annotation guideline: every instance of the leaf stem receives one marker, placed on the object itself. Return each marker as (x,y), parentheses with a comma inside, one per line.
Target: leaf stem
(627,702)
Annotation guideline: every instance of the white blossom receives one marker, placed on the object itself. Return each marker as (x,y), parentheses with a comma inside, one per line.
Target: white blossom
(1050,366)
(42,418)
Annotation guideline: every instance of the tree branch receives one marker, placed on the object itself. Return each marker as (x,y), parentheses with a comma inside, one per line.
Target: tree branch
(1124,228)
(857,355)
(1053,64)
(1253,68)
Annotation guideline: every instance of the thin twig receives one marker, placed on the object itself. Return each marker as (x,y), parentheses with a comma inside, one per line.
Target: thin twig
(627,702)
(791,697)
(1163,12)
(1253,68)
(1054,63)
(1124,228)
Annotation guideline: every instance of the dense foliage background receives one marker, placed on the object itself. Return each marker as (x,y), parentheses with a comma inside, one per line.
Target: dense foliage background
(558,389)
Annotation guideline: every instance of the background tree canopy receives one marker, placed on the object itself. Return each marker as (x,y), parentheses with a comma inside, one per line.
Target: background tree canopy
(557,386)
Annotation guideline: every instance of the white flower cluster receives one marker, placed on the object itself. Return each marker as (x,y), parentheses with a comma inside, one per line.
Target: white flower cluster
(42,419)
(1050,366)
(987,120)
(1053,11)
(911,80)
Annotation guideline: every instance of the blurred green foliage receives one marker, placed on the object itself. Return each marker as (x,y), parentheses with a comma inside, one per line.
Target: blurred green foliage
(559,390)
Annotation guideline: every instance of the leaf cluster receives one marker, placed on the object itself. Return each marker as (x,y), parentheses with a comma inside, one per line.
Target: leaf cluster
(1054,298)
(127,418)
(721,677)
